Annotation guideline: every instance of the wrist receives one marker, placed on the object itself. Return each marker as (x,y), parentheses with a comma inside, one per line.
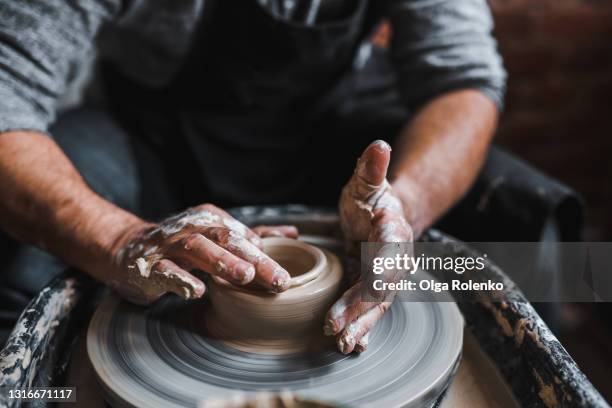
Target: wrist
(97,231)
(412,202)
(123,236)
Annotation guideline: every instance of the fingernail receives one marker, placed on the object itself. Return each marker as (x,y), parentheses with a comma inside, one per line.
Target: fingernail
(279,285)
(381,144)
(280,281)
(199,291)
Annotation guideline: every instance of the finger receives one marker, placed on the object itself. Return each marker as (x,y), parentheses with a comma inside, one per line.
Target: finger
(233,224)
(265,231)
(340,312)
(268,273)
(243,230)
(170,278)
(356,310)
(206,255)
(372,166)
(355,330)
(189,221)
(363,191)
(362,343)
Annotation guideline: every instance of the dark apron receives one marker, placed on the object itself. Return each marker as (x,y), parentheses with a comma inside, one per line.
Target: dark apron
(248,105)
(267,111)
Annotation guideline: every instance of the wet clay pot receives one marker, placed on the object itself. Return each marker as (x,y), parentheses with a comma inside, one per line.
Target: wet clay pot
(255,320)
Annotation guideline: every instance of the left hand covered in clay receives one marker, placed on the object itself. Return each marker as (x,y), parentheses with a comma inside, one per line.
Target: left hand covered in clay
(369,211)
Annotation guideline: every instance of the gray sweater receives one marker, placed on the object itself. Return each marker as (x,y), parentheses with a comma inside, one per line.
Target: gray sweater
(438,45)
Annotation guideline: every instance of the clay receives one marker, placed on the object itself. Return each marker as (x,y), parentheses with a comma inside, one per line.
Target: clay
(161,357)
(252,319)
(157,357)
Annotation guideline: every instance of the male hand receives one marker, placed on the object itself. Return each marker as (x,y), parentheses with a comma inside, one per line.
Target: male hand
(154,259)
(369,211)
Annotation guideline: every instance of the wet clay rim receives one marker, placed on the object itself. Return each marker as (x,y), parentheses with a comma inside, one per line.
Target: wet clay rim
(281,250)
(252,319)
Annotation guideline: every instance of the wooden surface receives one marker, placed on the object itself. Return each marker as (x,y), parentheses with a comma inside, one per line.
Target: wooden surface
(478,383)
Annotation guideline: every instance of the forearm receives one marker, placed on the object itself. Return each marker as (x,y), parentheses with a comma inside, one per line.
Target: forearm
(438,155)
(45,202)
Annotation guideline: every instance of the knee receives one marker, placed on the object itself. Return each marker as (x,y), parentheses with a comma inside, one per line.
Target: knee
(101,151)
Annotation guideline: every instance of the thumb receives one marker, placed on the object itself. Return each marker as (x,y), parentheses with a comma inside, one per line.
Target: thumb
(372,166)
(362,191)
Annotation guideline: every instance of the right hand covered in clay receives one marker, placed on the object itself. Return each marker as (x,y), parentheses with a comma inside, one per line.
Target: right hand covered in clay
(151,260)
(369,211)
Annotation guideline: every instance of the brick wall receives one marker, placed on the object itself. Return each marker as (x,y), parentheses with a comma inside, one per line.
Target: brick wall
(559,101)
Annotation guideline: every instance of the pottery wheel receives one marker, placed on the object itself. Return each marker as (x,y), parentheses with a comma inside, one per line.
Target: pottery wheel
(161,357)
(146,357)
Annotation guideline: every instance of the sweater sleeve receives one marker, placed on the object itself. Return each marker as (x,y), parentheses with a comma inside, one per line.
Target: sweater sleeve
(43,43)
(443,45)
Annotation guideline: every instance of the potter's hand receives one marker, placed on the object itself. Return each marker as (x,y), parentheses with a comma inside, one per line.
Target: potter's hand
(369,211)
(151,260)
